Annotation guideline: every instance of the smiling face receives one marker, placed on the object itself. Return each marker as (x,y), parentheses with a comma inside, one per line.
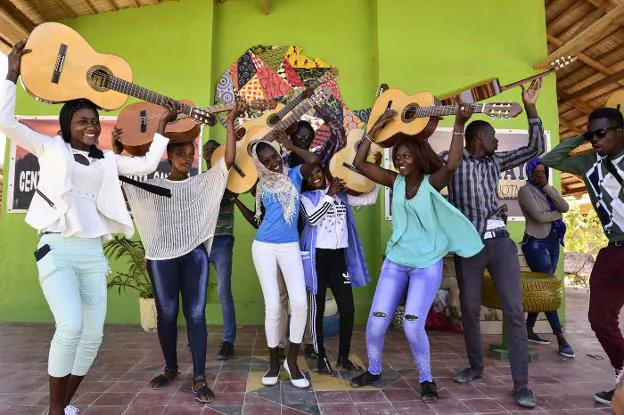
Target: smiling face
(181,157)
(85,128)
(270,158)
(303,136)
(316,180)
(404,160)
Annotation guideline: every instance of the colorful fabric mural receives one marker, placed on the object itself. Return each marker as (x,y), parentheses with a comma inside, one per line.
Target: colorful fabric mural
(281,73)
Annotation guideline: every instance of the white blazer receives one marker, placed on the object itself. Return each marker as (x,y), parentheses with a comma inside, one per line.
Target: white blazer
(55,163)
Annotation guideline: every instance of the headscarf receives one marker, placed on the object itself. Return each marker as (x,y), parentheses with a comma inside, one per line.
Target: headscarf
(530,168)
(67,113)
(275,186)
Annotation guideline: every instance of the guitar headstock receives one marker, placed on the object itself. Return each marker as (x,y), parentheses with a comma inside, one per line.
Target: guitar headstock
(381,89)
(562,62)
(263,104)
(203,117)
(502,109)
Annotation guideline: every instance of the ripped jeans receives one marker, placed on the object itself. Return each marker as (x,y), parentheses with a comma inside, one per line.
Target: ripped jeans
(422,285)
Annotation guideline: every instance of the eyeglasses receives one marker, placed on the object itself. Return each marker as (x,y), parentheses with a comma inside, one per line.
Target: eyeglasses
(598,134)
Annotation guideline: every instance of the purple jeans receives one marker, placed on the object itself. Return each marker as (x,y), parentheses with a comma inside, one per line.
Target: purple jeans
(422,285)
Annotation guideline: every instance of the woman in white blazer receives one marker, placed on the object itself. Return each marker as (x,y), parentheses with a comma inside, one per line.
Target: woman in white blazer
(77,204)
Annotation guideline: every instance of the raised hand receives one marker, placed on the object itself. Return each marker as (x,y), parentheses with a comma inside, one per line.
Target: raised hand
(15,60)
(337,185)
(239,107)
(381,122)
(116,142)
(463,114)
(530,95)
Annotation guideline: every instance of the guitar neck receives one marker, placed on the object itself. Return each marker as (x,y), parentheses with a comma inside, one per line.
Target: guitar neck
(442,110)
(291,118)
(297,100)
(145,94)
(529,79)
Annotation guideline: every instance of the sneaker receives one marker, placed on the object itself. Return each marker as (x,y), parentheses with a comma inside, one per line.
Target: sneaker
(524,397)
(604,397)
(534,338)
(71,410)
(226,351)
(565,350)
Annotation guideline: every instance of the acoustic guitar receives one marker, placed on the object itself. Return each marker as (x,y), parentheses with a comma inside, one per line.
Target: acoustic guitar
(419,114)
(243,175)
(139,122)
(62,66)
(492,87)
(341,163)
(271,118)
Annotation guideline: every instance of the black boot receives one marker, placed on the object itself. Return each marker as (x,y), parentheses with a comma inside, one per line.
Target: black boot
(58,391)
(72,386)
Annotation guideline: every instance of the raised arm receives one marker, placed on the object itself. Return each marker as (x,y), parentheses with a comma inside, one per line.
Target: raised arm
(559,158)
(14,130)
(440,179)
(230,141)
(370,170)
(537,143)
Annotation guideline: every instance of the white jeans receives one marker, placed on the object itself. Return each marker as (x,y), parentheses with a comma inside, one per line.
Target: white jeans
(267,257)
(72,276)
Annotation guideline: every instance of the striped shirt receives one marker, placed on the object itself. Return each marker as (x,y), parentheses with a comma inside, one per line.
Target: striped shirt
(473,189)
(172,227)
(600,175)
(225,222)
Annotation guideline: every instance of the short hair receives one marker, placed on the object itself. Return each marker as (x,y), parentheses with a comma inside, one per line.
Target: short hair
(306,125)
(473,128)
(608,113)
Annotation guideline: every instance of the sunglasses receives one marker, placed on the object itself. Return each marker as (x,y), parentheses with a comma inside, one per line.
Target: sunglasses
(598,134)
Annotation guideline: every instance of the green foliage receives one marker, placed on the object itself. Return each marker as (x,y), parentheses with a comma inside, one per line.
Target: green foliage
(585,233)
(135,276)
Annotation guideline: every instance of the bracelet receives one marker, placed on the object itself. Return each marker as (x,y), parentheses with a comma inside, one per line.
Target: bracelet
(368,138)
(458,132)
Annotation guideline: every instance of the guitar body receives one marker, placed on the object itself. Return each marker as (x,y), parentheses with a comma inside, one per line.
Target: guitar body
(139,122)
(341,164)
(474,93)
(60,66)
(243,175)
(405,122)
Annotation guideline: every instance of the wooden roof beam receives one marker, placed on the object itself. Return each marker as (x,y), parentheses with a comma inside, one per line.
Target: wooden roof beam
(587,37)
(613,78)
(19,19)
(265,7)
(587,60)
(66,8)
(90,6)
(570,126)
(4,46)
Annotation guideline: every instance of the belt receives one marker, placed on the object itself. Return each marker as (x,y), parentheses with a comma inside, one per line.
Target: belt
(48,233)
(495,234)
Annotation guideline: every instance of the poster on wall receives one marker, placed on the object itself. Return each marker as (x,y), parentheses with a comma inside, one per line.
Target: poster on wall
(24,167)
(511,181)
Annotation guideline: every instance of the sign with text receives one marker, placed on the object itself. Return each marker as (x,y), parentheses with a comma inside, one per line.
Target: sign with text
(24,166)
(511,181)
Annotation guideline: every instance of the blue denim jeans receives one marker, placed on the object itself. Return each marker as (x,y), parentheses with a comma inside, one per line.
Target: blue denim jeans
(186,275)
(542,255)
(221,258)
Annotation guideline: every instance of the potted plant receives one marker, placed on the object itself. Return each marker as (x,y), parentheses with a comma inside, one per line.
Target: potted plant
(135,276)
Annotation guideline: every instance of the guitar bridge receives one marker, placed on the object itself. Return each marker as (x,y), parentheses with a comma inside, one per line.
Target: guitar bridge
(58,66)
(143,121)
(351,167)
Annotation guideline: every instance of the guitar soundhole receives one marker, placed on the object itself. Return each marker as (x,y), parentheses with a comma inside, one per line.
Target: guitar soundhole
(273,119)
(98,77)
(409,113)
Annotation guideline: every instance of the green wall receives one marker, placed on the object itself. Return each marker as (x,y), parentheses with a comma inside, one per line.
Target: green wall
(181,49)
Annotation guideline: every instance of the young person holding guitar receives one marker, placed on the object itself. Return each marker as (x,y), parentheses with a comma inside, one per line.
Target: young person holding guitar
(78,202)
(425,227)
(178,263)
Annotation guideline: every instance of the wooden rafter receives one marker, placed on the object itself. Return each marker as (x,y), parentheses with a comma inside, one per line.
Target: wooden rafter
(66,8)
(113,5)
(17,16)
(587,37)
(564,14)
(569,126)
(5,47)
(265,7)
(591,18)
(613,78)
(90,6)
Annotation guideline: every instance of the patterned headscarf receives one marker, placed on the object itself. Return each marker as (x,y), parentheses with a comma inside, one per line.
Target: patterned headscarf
(530,168)
(277,186)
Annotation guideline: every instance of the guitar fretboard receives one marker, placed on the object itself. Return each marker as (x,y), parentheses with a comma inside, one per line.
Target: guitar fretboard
(144,94)
(292,117)
(441,110)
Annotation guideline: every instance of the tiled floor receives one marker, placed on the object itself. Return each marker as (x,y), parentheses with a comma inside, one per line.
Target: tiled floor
(129,358)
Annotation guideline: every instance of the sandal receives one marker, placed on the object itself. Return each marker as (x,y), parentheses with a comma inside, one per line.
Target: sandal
(165,378)
(203,394)
(429,391)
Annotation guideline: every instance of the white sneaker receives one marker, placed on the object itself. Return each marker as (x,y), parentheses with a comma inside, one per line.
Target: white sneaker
(297,383)
(71,410)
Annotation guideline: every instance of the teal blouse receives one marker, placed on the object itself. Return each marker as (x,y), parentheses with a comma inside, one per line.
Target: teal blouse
(427,227)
